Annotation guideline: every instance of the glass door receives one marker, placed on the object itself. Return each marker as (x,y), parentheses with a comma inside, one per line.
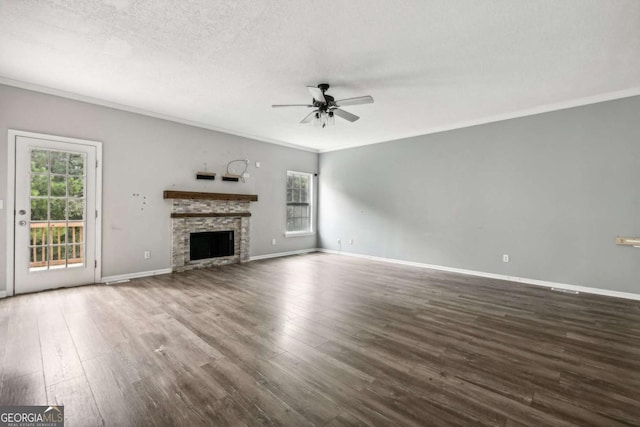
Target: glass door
(55,214)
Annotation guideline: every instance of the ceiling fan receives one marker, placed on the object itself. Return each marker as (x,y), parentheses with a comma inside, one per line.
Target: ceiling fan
(326,107)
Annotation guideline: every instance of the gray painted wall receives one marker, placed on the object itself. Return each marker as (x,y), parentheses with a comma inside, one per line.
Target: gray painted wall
(552,191)
(145,155)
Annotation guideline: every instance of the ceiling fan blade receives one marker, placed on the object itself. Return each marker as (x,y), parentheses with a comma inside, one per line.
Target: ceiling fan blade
(291,105)
(317,94)
(355,101)
(345,115)
(309,117)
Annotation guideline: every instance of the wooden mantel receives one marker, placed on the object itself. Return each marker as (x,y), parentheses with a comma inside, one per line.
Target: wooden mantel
(171,194)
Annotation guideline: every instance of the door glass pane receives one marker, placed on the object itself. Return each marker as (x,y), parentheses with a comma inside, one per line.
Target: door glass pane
(76,186)
(39,210)
(76,209)
(76,164)
(58,186)
(57,209)
(58,233)
(38,257)
(38,234)
(39,161)
(57,255)
(39,185)
(75,232)
(59,160)
(75,255)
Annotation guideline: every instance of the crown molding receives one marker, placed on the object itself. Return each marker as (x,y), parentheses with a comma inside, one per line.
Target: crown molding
(603,97)
(103,103)
(547,108)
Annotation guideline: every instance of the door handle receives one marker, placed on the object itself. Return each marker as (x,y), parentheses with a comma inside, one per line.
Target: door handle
(22,212)
(22,222)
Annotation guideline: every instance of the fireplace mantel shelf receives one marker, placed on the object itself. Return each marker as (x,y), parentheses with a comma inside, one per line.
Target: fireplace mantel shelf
(211,215)
(173,194)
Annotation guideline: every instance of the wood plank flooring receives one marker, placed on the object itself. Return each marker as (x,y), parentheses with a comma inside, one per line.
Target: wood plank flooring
(323,340)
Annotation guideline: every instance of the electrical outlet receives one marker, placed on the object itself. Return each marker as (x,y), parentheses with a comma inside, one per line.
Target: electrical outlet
(505,258)
(273,241)
(147,254)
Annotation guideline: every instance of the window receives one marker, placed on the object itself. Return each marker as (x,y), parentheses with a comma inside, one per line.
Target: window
(299,203)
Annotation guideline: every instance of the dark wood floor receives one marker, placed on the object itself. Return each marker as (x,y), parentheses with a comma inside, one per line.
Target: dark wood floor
(323,340)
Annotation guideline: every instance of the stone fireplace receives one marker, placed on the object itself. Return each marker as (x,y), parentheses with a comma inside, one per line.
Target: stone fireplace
(194,212)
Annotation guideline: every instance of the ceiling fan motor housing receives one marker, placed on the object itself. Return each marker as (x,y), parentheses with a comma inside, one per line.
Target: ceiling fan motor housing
(329,100)
(324,106)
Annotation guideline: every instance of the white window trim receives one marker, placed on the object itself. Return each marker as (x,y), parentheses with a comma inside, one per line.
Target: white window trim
(312,204)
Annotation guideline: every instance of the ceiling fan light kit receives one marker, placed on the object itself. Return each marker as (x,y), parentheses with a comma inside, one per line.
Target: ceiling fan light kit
(326,107)
(323,118)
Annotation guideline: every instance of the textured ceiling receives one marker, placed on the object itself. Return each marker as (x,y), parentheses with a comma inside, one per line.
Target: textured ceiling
(429,65)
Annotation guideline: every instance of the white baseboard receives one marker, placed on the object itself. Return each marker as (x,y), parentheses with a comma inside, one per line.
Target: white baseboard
(120,277)
(3,294)
(544,283)
(281,254)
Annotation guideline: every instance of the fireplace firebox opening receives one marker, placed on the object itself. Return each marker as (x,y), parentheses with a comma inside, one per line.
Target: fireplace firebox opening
(211,244)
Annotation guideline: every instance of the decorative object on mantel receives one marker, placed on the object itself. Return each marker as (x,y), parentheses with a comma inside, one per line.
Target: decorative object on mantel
(628,241)
(175,194)
(236,170)
(205,175)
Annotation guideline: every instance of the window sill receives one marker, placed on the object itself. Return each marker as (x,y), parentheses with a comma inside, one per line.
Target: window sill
(299,233)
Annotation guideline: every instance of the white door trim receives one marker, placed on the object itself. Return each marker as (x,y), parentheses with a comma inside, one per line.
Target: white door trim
(10,207)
